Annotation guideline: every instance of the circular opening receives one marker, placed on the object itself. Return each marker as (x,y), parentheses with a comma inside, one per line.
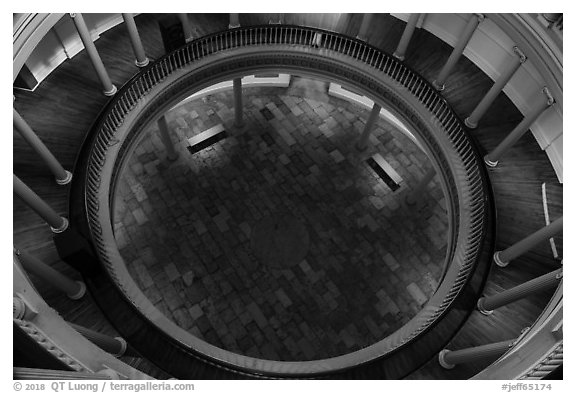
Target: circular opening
(281,239)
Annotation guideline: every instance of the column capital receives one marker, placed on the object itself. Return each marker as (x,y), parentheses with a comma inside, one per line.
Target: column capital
(520,54)
(73,15)
(549,98)
(480,17)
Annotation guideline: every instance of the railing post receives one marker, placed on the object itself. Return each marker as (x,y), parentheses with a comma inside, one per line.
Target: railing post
(472,120)
(491,159)
(448,359)
(57,224)
(186,27)
(141,59)
(234,21)
(503,258)
(465,37)
(73,289)
(487,304)
(62,176)
(238,109)
(109,88)
(172,154)
(363,32)
(417,191)
(115,346)
(362,143)
(400,51)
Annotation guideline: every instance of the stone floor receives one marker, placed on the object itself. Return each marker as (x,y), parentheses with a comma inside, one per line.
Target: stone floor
(184,227)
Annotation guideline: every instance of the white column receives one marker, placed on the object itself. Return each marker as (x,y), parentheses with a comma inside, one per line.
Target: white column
(448,359)
(116,346)
(141,59)
(363,32)
(57,224)
(406,36)
(472,120)
(362,143)
(487,304)
(73,289)
(166,140)
(471,26)
(234,21)
(109,88)
(238,109)
(491,159)
(503,258)
(62,176)
(186,27)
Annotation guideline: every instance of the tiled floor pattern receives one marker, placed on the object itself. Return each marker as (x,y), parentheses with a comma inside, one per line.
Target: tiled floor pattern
(184,227)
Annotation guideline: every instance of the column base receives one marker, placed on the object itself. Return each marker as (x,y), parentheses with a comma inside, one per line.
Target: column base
(442,361)
(81,292)
(62,227)
(231,26)
(491,164)
(398,56)
(143,63)
(271,22)
(499,261)
(469,123)
(66,180)
(111,92)
(123,346)
(362,38)
(239,125)
(172,158)
(437,86)
(480,307)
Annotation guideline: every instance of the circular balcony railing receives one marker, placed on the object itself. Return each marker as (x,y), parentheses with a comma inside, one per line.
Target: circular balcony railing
(315,52)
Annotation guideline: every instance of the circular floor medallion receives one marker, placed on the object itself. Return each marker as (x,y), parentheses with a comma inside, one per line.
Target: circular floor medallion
(280,240)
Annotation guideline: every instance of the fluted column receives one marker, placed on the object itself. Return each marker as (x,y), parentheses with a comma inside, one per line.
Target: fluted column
(487,304)
(448,359)
(417,191)
(109,88)
(73,289)
(24,373)
(362,143)
(57,224)
(62,176)
(364,26)
(188,35)
(465,37)
(113,345)
(503,258)
(406,36)
(141,59)
(172,154)
(472,120)
(238,109)
(491,159)
(234,21)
